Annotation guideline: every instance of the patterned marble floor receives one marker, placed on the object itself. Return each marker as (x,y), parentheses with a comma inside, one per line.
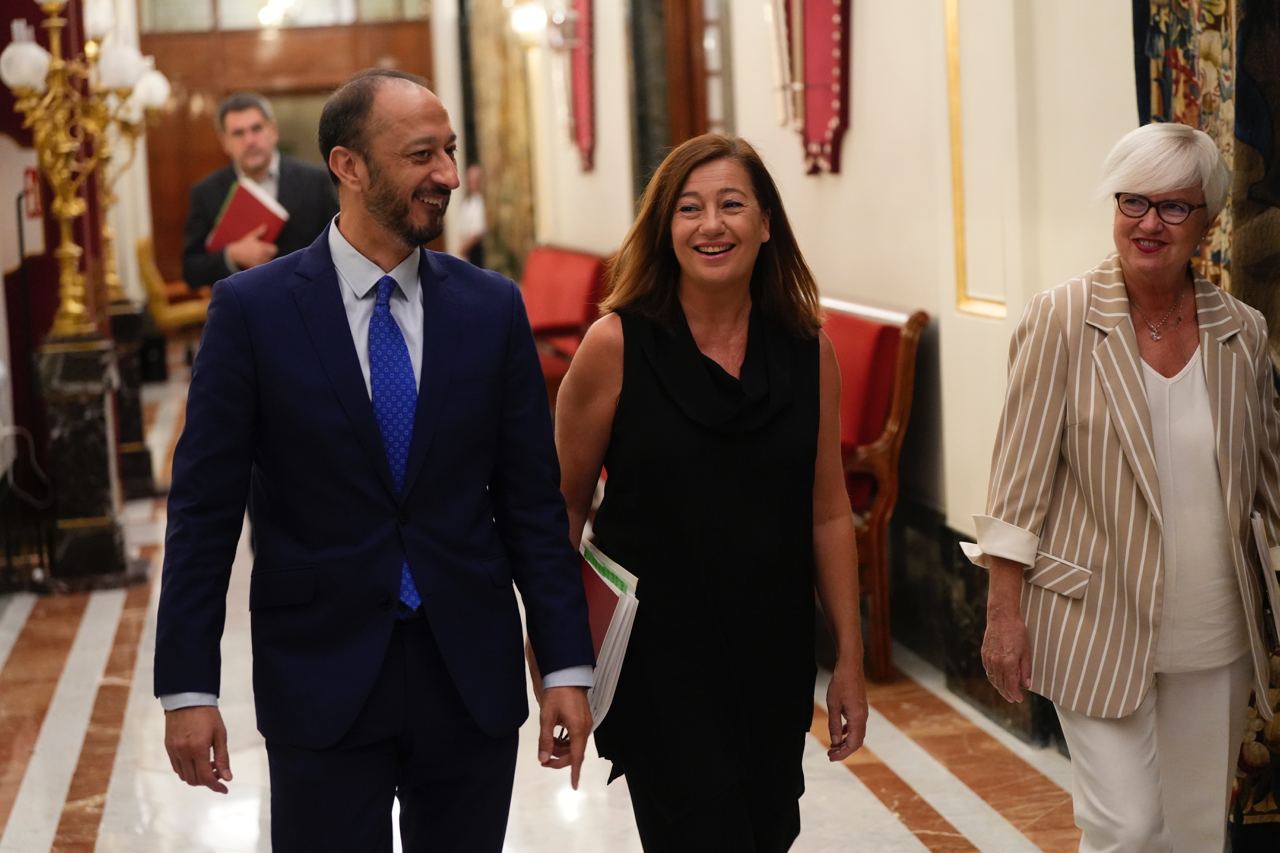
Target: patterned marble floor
(82,763)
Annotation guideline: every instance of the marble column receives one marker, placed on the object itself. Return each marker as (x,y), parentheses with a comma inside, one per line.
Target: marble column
(78,379)
(133,455)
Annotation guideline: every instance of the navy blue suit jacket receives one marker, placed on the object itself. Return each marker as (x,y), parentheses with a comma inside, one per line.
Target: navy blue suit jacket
(278,412)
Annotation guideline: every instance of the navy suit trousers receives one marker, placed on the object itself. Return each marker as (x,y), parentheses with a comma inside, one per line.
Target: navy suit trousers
(453,781)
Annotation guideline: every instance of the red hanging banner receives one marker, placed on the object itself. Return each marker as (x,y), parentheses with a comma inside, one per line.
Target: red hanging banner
(582,83)
(816,38)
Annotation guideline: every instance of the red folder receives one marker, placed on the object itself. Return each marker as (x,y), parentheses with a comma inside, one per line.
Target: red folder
(246,207)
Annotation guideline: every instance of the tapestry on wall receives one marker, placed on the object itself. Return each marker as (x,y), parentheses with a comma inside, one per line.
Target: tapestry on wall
(1188,43)
(1255,192)
(1215,65)
(503,125)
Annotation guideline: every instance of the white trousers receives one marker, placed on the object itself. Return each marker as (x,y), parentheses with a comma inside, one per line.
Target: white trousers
(1158,780)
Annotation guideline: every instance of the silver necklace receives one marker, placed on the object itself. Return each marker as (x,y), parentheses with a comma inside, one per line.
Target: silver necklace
(1153,329)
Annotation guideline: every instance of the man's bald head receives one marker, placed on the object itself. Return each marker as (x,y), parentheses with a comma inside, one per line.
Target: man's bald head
(345,119)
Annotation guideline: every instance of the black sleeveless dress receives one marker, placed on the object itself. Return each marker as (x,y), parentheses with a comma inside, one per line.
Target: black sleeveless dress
(709,502)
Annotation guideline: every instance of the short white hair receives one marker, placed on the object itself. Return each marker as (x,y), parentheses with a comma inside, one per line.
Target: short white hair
(1162,157)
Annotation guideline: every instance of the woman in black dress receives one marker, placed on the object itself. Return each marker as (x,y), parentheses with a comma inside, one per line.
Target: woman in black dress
(710,396)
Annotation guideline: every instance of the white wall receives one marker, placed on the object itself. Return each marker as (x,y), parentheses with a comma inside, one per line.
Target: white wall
(1067,110)
(890,199)
(576,209)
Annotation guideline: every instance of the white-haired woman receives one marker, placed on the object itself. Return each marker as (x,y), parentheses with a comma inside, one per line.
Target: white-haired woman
(1138,435)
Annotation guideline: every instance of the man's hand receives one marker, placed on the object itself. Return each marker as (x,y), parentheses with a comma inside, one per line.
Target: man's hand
(249,250)
(190,734)
(846,711)
(567,707)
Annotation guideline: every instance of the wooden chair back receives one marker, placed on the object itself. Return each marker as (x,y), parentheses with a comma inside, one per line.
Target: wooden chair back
(877,359)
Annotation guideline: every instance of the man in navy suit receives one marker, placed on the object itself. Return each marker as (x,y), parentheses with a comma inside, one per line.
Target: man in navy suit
(381,407)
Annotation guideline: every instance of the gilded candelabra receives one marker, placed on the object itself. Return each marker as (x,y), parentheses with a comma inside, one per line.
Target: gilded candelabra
(126,123)
(69,104)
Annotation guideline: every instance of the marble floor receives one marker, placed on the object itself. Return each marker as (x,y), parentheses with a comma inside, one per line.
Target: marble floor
(82,762)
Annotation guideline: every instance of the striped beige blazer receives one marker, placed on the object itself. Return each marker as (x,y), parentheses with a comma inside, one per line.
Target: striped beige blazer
(1074,496)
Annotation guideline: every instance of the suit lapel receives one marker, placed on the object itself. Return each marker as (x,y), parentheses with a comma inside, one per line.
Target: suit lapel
(1120,369)
(439,334)
(319,300)
(1226,373)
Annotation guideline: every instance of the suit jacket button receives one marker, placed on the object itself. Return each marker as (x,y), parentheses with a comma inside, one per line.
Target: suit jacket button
(404,518)
(386,602)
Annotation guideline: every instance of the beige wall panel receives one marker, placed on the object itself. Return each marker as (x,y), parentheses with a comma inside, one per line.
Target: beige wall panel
(1069,98)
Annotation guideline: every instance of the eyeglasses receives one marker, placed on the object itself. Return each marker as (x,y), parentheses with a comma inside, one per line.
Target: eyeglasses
(1170,212)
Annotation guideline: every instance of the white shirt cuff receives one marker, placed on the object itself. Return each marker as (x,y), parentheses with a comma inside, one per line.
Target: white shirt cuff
(573,676)
(570,676)
(998,538)
(174,701)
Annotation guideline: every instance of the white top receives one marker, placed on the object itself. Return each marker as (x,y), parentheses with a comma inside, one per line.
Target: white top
(1202,616)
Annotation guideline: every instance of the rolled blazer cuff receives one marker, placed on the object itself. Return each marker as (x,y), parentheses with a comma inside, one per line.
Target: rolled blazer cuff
(998,538)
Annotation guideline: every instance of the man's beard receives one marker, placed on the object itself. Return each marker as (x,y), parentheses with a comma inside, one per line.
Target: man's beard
(393,212)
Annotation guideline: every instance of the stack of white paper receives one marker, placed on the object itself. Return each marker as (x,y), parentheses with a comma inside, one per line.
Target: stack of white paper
(612,604)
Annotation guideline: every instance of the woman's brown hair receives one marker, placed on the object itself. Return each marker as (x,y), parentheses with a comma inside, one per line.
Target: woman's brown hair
(643,276)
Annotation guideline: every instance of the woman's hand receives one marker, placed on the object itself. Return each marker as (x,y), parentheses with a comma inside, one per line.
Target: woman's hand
(836,561)
(846,711)
(1006,655)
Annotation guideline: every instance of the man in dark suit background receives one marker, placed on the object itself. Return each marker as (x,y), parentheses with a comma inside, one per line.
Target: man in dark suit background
(247,131)
(382,407)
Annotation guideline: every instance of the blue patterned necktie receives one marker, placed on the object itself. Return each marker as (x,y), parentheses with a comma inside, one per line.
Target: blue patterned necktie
(395,398)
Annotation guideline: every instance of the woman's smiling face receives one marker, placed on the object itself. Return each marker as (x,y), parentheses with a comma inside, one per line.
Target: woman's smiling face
(1152,248)
(718,226)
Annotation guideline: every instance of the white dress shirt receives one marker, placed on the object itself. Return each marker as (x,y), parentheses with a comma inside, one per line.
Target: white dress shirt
(358,279)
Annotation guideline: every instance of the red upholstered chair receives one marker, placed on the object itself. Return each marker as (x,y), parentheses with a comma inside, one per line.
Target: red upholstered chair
(561,289)
(877,371)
